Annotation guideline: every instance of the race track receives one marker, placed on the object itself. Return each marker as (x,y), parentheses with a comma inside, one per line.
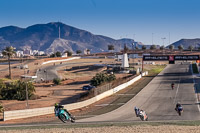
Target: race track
(159,100)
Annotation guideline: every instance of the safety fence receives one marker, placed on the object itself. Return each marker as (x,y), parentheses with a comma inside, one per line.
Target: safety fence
(17,114)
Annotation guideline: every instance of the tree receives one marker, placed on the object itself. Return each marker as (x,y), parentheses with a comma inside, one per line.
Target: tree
(180,47)
(88,51)
(153,47)
(17,90)
(9,52)
(190,47)
(58,54)
(144,47)
(162,48)
(69,53)
(78,51)
(111,47)
(101,78)
(171,47)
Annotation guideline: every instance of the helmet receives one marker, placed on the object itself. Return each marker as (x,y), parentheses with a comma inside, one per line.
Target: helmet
(56,105)
(135,108)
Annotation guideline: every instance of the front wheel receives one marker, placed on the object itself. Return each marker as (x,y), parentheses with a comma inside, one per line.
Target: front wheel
(62,118)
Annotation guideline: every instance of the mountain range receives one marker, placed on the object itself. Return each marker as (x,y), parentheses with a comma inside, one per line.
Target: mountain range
(187,42)
(45,37)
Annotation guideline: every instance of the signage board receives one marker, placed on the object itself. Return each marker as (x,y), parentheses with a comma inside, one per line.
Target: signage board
(186,57)
(170,57)
(155,58)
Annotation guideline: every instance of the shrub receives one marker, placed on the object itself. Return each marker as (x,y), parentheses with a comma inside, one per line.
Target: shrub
(56,81)
(100,78)
(17,90)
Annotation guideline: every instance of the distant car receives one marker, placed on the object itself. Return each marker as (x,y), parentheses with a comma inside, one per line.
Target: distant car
(88,87)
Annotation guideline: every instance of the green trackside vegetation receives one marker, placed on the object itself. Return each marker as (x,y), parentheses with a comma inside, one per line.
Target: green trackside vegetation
(195,68)
(156,69)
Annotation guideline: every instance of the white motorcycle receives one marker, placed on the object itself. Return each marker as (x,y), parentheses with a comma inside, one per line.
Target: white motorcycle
(143,116)
(141,113)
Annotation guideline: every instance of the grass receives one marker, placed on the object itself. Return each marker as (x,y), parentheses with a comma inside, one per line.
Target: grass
(194,68)
(156,69)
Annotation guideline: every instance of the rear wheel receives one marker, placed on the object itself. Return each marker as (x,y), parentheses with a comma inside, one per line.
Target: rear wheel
(62,118)
(72,119)
(179,113)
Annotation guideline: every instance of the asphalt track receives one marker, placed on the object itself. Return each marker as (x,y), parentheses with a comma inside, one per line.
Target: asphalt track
(50,72)
(159,100)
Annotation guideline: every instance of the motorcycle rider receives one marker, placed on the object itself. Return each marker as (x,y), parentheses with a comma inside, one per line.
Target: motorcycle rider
(137,111)
(172,85)
(178,105)
(57,109)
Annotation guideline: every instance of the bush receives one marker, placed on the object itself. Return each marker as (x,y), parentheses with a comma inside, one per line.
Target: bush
(17,90)
(56,81)
(100,78)
(195,69)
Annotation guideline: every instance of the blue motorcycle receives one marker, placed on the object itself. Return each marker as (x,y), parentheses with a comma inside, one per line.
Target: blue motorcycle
(64,115)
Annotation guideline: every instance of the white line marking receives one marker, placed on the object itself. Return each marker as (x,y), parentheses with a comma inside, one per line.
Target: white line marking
(177,90)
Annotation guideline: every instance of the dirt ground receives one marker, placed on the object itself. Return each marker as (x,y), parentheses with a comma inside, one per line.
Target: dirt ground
(114,129)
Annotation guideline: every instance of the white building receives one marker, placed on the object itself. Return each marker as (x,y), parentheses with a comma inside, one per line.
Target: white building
(19,53)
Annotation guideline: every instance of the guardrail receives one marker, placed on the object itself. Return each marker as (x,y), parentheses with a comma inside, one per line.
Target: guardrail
(17,114)
(51,61)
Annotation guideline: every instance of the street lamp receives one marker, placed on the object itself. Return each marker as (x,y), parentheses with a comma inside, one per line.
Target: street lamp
(163,43)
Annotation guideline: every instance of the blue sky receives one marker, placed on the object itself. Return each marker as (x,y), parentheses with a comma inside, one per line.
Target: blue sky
(146,21)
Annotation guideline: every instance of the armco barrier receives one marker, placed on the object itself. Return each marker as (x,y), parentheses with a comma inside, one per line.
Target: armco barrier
(16,114)
(51,61)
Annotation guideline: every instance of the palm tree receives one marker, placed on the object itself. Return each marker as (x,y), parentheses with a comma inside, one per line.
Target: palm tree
(9,52)
(190,47)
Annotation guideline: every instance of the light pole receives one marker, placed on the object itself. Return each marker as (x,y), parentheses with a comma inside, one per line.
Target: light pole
(163,43)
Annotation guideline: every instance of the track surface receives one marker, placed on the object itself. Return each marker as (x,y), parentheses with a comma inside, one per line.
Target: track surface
(159,100)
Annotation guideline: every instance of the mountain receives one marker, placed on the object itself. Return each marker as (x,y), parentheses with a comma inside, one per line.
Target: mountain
(45,37)
(187,42)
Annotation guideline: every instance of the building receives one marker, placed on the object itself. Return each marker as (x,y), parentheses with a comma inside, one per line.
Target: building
(19,54)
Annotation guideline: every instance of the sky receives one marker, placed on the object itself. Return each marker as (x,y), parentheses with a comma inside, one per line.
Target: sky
(159,22)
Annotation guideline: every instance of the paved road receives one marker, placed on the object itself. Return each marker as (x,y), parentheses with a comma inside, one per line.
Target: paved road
(50,72)
(158,99)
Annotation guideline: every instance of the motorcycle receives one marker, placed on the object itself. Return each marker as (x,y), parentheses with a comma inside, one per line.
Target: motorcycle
(172,86)
(179,110)
(64,116)
(143,116)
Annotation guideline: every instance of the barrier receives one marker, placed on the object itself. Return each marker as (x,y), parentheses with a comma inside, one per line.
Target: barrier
(52,61)
(17,114)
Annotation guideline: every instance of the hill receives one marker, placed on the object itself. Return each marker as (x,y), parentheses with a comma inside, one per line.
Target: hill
(45,37)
